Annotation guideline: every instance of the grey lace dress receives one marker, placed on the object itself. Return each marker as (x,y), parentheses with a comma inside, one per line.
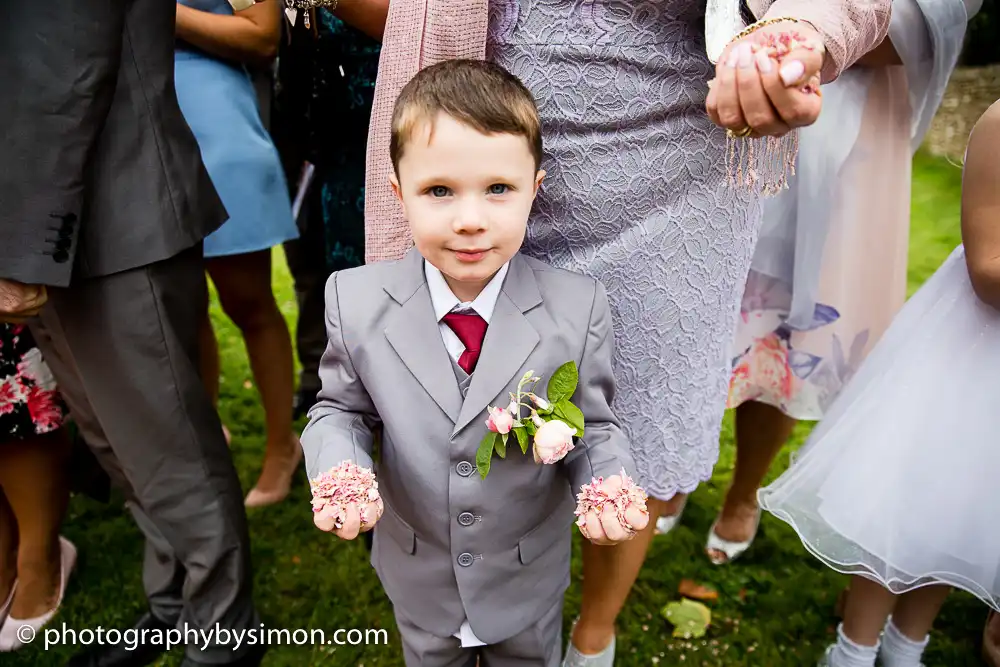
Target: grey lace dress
(637,195)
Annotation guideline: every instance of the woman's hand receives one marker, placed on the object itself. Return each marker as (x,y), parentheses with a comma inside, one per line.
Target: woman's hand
(756,94)
(19,302)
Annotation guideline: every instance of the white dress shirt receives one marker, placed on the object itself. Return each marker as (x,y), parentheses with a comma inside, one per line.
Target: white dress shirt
(444,301)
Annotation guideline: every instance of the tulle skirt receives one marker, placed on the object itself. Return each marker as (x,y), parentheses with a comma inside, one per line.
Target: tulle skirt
(900,482)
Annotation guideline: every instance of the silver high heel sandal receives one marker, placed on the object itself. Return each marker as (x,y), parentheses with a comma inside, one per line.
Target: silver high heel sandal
(665,524)
(732,550)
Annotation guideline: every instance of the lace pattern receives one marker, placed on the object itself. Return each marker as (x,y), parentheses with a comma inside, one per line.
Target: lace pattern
(645,208)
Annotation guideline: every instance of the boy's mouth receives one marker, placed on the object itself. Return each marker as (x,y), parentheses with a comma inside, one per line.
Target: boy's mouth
(470,255)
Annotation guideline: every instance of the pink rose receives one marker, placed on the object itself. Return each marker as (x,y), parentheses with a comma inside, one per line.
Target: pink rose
(500,421)
(553,440)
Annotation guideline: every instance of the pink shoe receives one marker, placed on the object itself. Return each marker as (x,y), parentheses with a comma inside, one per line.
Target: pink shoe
(15,633)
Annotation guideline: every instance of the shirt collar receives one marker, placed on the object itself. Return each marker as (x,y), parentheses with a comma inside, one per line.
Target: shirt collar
(445,301)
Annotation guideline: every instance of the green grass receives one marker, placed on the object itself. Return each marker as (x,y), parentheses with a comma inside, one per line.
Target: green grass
(775,607)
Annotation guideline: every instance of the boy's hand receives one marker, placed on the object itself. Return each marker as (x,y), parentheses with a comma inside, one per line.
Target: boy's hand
(619,518)
(346,500)
(350,521)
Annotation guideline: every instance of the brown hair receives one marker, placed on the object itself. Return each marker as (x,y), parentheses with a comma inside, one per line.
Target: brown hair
(476,93)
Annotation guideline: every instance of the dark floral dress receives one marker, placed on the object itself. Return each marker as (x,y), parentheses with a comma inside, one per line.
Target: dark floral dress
(323,103)
(29,402)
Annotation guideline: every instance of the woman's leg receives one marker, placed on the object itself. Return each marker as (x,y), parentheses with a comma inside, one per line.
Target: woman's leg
(8,545)
(608,576)
(34,480)
(244,286)
(761,432)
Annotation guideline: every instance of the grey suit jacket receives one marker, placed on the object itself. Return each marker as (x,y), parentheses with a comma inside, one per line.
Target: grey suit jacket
(451,545)
(99,172)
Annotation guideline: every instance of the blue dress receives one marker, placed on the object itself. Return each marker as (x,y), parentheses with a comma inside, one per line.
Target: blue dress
(220,104)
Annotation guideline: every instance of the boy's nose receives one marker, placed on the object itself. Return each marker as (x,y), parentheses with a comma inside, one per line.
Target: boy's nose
(470,219)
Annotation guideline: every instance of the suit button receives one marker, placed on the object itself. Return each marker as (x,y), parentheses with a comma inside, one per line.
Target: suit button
(465,469)
(60,256)
(466,518)
(64,243)
(465,560)
(65,232)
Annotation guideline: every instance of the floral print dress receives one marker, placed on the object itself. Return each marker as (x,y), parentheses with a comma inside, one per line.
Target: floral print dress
(29,401)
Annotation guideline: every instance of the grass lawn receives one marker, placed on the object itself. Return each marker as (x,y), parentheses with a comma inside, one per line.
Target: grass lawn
(775,606)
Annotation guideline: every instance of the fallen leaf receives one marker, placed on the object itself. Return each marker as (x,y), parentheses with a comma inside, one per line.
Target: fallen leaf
(696,591)
(743,594)
(296,560)
(689,618)
(247,384)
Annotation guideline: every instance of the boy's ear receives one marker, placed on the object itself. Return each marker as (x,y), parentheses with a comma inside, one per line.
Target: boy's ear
(394,182)
(538,179)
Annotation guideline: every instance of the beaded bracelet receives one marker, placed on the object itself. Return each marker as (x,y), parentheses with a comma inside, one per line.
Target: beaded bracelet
(329,5)
(754,27)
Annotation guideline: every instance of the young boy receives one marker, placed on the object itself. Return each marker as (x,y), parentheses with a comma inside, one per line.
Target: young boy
(472,549)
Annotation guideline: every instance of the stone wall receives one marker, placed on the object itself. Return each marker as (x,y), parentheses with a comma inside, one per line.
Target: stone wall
(970,92)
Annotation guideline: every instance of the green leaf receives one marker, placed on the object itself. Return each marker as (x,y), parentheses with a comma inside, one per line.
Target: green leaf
(522,439)
(530,428)
(572,415)
(562,384)
(500,445)
(485,453)
(689,618)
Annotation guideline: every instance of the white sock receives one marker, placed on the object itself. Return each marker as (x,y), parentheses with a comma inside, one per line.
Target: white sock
(848,654)
(898,650)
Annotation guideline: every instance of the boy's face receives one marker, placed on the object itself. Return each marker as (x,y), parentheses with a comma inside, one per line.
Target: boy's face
(467,196)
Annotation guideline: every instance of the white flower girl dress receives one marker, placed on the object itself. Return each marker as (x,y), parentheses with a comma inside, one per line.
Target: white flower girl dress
(900,482)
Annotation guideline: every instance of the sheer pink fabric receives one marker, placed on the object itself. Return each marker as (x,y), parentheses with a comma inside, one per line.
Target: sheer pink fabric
(419,33)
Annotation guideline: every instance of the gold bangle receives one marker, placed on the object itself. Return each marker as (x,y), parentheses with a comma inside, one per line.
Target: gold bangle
(739,134)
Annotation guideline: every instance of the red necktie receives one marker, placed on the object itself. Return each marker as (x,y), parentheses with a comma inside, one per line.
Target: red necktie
(471,330)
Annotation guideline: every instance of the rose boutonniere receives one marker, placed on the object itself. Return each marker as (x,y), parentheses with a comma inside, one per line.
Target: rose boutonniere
(550,426)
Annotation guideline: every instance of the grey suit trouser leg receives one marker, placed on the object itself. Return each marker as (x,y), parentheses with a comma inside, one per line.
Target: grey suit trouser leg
(539,645)
(124,351)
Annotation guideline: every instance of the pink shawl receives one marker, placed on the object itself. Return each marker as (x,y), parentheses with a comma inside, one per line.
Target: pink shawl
(419,33)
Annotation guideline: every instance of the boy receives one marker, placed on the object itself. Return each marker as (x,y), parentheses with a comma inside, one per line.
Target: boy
(475,564)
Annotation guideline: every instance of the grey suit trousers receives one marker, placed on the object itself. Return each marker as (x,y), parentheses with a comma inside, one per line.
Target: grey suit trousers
(539,645)
(124,351)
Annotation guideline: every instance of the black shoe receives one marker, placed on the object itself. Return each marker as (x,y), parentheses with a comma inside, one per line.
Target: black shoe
(252,658)
(118,655)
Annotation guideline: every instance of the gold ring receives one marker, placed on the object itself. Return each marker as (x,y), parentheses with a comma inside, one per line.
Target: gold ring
(741,133)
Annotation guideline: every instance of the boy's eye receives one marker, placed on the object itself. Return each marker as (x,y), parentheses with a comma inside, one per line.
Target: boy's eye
(439,191)
(498,189)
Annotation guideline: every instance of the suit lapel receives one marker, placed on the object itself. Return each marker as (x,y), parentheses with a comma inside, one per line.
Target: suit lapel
(509,341)
(416,338)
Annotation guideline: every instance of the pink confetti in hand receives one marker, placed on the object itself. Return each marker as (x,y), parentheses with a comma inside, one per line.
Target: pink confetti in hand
(625,499)
(341,487)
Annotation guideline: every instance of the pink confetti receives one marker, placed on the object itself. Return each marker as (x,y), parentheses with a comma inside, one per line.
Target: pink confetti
(594,497)
(345,485)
